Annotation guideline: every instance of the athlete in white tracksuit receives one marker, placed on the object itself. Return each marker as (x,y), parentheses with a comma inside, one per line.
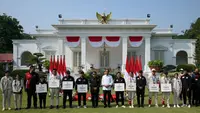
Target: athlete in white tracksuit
(165,95)
(153,79)
(176,88)
(54,91)
(6,88)
(131,94)
(17,87)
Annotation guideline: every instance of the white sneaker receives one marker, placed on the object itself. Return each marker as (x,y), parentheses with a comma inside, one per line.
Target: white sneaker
(78,106)
(3,109)
(168,106)
(149,106)
(85,106)
(189,106)
(117,106)
(163,106)
(174,106)
(156,105)
(183,105)
(123,106)
(9,108)
(178,106)
(130,106)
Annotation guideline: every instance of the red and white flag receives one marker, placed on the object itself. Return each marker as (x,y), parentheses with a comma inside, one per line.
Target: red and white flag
(64,66)
(127,69)
(112,41)
(61,67)
(132,66)
(135,41)
(54,62)
(58,66)
(140,63)
(72,41)
(50,66)
(96,41)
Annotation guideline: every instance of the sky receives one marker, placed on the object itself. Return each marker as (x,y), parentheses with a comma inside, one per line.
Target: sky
(44,13)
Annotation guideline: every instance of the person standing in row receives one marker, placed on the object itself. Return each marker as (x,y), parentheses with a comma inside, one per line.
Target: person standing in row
(165,80)
(176,89)
(140,88)
(6,88)
(107,82)
(30,81)
(153,79)
(54,91)
(119,79)
(80,82)
(68,92)
(197,89)
(131,94)
(42,96)
(193,87)
(17,86)
(186,80)
(95,83)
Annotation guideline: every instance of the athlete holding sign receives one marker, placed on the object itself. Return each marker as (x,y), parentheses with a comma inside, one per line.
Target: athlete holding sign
(131,89)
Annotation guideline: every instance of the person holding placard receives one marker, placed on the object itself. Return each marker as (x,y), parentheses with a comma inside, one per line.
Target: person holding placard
(54,86)
(186,80)
(119,84)
(6,88)
(176,88)
(131,89)
(140,88)
(68,84)
(165,80)
(30,81)
(17,87)
(82,89)
(95,83)
(107,82)
(42,95)
(153,80)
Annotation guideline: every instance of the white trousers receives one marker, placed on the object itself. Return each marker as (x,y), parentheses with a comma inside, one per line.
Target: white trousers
(166,96)
(17,100)
(6,97)
(176,97)
(155,96)
(131,96)
(54,92)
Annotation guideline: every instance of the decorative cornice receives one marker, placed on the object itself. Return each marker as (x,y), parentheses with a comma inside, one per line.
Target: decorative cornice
(159,47)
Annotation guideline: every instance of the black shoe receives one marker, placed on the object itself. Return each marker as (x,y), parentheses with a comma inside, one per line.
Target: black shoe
(16,109)
(57,107)
(142,106)
(35,107)
(105,106)
(27,107)
(139,106)
(51,107)
(20,108)
(71,107)
(109,106)
(64,107)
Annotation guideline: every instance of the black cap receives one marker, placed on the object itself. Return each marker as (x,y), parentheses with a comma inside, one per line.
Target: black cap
(68,72)
(140,71)
(7,71)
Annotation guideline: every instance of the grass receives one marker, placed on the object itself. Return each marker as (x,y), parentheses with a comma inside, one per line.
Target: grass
(101,109)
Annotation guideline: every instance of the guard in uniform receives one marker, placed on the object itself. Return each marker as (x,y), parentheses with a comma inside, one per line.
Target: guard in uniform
(153,79)
(186,88)
(6,88)
(140,88)
(95,83)
(68,93)
(30,81)
(165,80)
(119,79)
(81,80)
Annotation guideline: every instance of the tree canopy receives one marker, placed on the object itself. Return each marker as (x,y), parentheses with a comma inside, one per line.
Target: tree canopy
(10,29)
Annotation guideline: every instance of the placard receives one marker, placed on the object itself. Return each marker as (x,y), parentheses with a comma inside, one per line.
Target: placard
(82,88)
(41,88)
(67,85)
(119,86)
(166,87)
(153,87)
(54,83)
(131,86)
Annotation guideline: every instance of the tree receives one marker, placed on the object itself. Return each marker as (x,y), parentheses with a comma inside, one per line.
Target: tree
(10,29)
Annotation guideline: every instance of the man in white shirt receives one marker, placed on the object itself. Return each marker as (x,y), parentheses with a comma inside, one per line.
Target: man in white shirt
(107,82)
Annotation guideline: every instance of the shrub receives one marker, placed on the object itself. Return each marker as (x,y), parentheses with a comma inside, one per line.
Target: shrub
(21,73)
(189,67)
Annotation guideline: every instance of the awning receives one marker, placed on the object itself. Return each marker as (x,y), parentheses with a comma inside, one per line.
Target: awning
(135,41)
(7,57)
(72,41)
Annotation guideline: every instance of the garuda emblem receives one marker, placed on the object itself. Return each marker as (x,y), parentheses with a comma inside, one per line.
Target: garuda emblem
(103,18)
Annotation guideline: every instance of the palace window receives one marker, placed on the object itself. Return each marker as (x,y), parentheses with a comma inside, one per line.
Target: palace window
(25,57)
(104,59)
(159,55)
(77,59)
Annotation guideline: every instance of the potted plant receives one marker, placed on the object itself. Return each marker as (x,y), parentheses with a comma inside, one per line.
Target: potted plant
(156,64)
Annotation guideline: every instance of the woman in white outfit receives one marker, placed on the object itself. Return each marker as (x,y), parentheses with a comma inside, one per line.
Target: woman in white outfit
(131,94)
(17,87)
(176,88)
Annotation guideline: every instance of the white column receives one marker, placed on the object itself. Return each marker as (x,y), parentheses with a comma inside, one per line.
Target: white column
(15,56)
(192,52)
(83,53)
(124,53)
(147,52)
(61,46)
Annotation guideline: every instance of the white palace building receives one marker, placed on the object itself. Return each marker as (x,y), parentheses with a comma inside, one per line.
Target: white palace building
(86,42)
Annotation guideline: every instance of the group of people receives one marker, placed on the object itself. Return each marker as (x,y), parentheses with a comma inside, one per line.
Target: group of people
(183,85)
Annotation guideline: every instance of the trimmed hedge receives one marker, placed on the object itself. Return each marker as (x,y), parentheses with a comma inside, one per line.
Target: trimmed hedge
(21,73)
(189,67)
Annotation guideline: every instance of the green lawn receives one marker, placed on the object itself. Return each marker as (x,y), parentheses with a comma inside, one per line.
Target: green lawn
(104,110)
